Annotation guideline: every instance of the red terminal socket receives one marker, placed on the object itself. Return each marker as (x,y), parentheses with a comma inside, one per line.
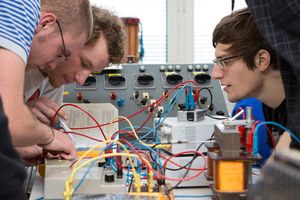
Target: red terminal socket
(113,95)
(79,96)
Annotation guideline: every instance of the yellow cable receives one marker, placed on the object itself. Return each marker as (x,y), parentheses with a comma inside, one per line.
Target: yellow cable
(69,183)
(150,182)
(164,146)
(98,146)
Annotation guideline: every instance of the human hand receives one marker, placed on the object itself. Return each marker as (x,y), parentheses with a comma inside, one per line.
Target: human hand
(44,109)
(34,155)
(61,145)
(31,155)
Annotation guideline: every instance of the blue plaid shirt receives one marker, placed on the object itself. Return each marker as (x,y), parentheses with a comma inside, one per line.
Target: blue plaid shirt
(279,22)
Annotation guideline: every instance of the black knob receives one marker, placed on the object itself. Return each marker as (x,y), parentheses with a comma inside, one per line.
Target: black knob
(174,79)
(220,112)
(202,78)
(89,81)
(203,100)
(116,79)
(109,178)
(145,79)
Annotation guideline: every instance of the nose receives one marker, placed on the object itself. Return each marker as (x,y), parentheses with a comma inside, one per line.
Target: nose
(81,76)
(216,73)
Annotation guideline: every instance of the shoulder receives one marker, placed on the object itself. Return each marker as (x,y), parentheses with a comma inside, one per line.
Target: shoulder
(19,19)
(253,102)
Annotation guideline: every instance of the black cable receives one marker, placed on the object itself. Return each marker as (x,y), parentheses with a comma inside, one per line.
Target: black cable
(210,104)
(130,184)
(172,169)
(191,162)
(187,171)
(217,118)
(211,98)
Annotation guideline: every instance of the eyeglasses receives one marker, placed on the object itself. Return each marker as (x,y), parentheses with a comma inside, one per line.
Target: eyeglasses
(222,62)
(64,54)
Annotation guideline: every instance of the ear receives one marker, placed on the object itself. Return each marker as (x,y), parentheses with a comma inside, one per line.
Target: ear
(47,22)
(262,60)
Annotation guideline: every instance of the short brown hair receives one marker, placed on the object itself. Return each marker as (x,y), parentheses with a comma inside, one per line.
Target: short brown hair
(75,16)
(240,31)
(109,26)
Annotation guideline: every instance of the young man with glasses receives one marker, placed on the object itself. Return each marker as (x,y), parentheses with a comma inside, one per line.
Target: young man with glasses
(38,35)
(106,46)
(246,67)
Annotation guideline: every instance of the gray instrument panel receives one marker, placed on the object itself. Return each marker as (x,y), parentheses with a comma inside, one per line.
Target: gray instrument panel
(128,87)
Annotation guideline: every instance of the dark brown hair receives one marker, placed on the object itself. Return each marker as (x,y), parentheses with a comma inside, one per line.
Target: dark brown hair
(240,31)
(109,26)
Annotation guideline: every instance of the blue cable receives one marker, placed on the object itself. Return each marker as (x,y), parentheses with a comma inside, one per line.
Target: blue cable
(89,169)
(255,139)
(129,128)
(171,104)
(165,114)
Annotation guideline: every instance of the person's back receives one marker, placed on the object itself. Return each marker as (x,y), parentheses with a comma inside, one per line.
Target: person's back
(278,21)
(12,171)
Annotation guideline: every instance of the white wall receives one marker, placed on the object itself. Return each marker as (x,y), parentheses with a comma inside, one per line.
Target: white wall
(180,31)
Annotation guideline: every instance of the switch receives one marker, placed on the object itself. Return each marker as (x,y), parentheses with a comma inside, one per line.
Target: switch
(153,102)
(165,93)
(136,94)
(144,101)
(146,95)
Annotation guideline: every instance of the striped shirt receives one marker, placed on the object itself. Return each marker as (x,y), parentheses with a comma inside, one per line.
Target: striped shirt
(18,20)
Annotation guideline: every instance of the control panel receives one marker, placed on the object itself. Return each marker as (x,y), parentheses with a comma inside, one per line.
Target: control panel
(133,87)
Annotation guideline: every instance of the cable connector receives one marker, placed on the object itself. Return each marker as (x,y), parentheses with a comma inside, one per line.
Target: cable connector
(137,183)
(150,182)
(65,127)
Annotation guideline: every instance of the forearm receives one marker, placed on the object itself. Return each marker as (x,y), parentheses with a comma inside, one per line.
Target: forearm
(26,129)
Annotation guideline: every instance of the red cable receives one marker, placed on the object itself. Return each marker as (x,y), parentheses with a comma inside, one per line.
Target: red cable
(73,105)
(157,103)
